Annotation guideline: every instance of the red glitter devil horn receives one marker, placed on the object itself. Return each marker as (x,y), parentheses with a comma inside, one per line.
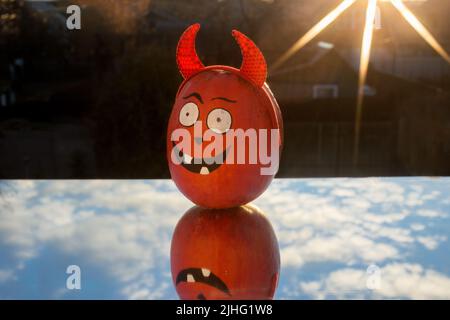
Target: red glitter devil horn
(254,65)
(187,58)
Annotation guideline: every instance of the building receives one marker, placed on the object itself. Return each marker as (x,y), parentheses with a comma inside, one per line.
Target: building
(318,100)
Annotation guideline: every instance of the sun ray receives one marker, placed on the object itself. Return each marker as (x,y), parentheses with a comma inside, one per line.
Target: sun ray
(420,28)
(365,49)
(313,32)
(363,67)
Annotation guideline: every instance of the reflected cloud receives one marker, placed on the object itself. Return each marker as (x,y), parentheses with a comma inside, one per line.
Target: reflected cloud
(6,275)
(329,232)
(121,227)
(398,280)
(326,226)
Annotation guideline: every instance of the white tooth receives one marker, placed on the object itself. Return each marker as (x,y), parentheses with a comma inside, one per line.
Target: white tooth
(204,170)
(187,158)
(206,272)
(190,278)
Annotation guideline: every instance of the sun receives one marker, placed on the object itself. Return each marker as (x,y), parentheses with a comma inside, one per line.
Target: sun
(365,47)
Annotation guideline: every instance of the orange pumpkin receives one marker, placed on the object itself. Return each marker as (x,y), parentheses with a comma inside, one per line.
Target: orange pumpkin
(225,254)
(220,98)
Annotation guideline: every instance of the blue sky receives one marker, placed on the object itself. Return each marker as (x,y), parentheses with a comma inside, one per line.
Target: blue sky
(329,231)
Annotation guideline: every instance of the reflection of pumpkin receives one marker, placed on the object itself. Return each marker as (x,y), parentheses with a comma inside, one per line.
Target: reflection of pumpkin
(222,98)
(225,254)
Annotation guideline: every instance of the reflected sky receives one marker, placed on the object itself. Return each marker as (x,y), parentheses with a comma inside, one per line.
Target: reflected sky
(329,231)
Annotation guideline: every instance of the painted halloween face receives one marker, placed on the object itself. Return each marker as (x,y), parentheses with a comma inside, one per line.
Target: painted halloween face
(211,104)
(225,254)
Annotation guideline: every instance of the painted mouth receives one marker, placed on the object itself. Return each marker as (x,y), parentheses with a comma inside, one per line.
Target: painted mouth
(202,166)
(202,275)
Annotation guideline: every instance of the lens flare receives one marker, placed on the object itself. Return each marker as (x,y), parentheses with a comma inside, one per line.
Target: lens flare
(365,50)
(420,28)
(363,67)
(313,32)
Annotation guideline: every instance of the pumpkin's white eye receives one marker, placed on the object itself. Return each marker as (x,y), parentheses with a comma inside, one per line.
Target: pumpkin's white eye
(189,114)
(219,120)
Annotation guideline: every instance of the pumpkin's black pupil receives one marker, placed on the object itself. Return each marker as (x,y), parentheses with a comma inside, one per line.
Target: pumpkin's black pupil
(187,114)
(218,119)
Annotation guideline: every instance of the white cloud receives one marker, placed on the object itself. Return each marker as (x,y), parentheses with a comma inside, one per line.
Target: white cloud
(146,289)
(431,213)
(341,192)
(417,227)
(6,275)
(398,280)
(431,242)
(344,224)
(127,240)
(124,227)
(341,249)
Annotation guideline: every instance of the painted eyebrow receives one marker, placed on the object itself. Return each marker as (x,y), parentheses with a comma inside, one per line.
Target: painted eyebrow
(224,99)
(195,95)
